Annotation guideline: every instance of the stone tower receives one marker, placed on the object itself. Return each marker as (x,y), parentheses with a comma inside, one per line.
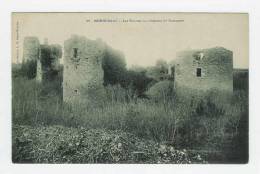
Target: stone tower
(201,70)
(83,73)
(43,58)
(31,49)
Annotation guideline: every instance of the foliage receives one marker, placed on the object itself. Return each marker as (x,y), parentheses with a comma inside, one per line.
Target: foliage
(115,73)
(50,53)
(137,81)
(16,70)
(28,69)
(240,79)
(162,91)
(212,122)
(159,71)
(114,67)
(57,144)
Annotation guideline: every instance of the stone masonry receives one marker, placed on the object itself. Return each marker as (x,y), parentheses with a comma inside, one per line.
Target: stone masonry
(46,57)
(31,49)
(201,70)
(83,72)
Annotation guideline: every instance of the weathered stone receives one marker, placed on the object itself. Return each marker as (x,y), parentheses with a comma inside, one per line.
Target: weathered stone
(31,49)
(83,74)
(46,57)
(201,70)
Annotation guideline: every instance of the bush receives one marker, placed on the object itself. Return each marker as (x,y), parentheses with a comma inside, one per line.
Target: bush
(116,73)
(240,79)
(69,145)
(28,69)
(114,67)
(162,91)
(208,123)
(137,81)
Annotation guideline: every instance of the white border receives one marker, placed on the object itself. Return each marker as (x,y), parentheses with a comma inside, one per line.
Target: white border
(8,6)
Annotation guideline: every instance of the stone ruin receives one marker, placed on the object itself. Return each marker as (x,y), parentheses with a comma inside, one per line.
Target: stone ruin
(83,76)
(201,70)
(45,56)
(82,71)
(31,49)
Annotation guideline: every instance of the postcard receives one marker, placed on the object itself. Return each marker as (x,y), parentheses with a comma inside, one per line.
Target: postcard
(132,88)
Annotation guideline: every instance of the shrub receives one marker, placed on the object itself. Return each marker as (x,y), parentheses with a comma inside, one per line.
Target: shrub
(28,69)
(58,144)
(208,123)
(114,67)
(240,79)
(162,91)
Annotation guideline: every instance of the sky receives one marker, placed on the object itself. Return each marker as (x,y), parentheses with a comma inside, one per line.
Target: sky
(142,37)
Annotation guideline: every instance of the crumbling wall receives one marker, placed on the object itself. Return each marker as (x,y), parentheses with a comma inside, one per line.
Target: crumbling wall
(83,74)
(43,60)
(204,69)
(39,73)
(31,48)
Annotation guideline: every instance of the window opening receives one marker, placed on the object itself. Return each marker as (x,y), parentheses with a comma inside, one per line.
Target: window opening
(75,52)
(198,72)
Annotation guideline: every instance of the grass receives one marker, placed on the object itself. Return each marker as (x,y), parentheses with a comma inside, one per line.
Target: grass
(58,144)
(210,123)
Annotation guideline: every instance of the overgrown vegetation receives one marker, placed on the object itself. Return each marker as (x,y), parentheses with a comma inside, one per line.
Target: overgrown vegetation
(116,73)
(212,125)
(59,144)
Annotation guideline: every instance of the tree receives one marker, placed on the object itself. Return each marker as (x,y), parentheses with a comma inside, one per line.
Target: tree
(159,71)
(29,69)
(114,67)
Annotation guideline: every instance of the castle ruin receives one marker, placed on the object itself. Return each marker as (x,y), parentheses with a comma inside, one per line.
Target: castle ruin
(201,70)
(83,73)
(31,48)
(44,56)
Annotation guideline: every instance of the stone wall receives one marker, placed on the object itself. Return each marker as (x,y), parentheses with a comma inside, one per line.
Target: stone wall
(45,57)
(83,73)
(204,69)
(31,51)
(31,48)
